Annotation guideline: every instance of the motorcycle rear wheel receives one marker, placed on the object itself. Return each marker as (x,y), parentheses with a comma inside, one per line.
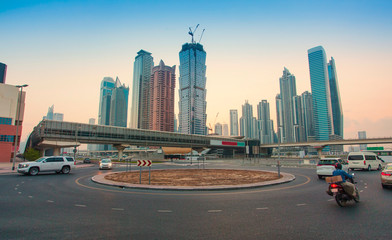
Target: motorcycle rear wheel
(340,201)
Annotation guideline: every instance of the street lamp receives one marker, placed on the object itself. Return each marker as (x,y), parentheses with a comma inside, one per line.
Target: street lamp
(17,123)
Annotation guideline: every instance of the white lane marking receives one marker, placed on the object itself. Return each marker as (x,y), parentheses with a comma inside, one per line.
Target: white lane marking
(262,208)
(361,191)
(80,205)
(301,204)
(17,185)
(365,187)
(30,196)
(22,182)
(331,200)
(165,211)
(50,201)
(214,211)
(19,192)
(118,209)
(16,188)
(365,183)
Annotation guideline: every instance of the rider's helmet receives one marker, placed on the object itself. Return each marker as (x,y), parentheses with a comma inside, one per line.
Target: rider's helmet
(338,166)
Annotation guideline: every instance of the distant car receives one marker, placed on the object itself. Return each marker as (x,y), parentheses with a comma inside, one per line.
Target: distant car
(386,176)
(326,166)
(86,160)
(56,164)
(105,163)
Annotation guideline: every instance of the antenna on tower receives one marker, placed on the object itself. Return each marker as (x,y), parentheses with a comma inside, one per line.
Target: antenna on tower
(192,32)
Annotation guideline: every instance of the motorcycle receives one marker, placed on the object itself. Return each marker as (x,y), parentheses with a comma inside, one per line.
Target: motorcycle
(336,190)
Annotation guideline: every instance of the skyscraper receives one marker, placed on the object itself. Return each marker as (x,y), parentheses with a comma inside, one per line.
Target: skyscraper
(119,105)
(288,90)
(107,86)
(265,124)
(192,90)
(298,121)
(307,115)
(336,104)
(248,123)
(140,90)
(3,72)
(162,87)
(50,114)
(362,135)
(218,129)
(319,81)
(233,122)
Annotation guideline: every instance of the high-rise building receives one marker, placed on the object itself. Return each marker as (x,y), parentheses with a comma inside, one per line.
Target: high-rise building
(233,122)
(225,127)
(218,129)
(107,86)
(119,105)
(298,121)
(248,123)
(265,124)
(322,110)
(192,90)
(336,104)
(58,117)
(307,114)
(50,114)
(279,118)
(162,87)
(288,90)
(362,135)
(140,106)
(3,72)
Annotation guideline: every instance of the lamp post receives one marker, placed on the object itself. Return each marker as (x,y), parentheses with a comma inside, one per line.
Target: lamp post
(17,123)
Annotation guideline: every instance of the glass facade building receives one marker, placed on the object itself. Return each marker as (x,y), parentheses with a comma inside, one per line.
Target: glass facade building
(107,86)
(336,104)
(192,90)
(265,124)
(119,105)
(322,111)
(140,90)
(248,123)
(233,122)
(3,72)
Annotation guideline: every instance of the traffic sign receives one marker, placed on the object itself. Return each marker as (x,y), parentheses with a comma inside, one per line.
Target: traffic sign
(144,163)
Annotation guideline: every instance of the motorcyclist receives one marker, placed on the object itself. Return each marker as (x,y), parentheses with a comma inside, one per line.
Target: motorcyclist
(348,187)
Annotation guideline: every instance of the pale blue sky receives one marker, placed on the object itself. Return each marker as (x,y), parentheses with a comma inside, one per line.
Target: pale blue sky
(63,49)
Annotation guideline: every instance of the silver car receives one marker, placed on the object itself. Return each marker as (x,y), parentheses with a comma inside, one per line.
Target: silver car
(386,176)
(105,163)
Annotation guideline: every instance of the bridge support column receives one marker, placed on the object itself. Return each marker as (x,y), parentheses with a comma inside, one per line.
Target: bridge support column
(120,149)
(56,151)
(319,151)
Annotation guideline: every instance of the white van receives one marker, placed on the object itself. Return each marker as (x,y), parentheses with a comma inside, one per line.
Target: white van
(363,160)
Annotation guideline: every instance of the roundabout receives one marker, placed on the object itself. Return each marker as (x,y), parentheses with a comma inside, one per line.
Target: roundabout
(193,179)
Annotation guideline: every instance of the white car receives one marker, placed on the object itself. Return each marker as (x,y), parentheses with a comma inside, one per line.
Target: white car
(56,164)
(326,166)
(105,163)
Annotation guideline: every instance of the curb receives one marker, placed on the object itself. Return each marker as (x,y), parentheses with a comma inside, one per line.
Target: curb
(100,179)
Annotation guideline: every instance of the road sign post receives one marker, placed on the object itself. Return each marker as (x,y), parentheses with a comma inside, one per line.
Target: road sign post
(144,163)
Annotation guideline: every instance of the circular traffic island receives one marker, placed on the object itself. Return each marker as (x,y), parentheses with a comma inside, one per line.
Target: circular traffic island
(193,179)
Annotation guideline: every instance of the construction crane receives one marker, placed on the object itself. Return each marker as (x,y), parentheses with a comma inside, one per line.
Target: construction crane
(192,32)
(201,35)
(210,128)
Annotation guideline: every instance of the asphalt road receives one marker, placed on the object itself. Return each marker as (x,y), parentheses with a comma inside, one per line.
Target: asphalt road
(58,206)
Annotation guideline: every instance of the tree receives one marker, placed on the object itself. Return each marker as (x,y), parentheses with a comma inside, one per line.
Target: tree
(31,154)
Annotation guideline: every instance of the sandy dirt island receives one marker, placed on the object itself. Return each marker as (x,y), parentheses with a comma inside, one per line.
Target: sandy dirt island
(194,177)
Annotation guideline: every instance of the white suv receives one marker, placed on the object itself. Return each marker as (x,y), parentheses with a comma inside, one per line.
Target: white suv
(57,164)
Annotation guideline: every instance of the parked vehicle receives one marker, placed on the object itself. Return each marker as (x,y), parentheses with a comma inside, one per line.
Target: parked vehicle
(386,176)
(336,190)
(326,166)
(363,160)
(56,164)
(86,160)
(105,163)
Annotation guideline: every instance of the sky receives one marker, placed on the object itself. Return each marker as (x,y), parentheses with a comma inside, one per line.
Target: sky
(63,50)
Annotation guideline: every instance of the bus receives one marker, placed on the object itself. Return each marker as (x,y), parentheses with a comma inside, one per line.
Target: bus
(385,155)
